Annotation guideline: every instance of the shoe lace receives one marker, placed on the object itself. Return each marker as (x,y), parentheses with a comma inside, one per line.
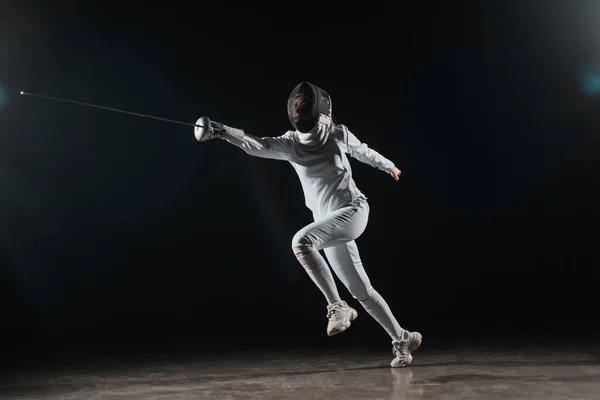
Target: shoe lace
(333,310)
(400,349)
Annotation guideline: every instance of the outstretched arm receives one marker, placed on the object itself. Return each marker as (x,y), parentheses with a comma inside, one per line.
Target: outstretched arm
(277,148)
(363,153)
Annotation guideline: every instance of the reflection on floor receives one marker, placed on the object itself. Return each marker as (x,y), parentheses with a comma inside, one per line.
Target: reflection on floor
(465,373)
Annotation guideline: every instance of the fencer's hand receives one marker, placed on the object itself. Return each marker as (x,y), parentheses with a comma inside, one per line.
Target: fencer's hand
(396,174)
(217,128)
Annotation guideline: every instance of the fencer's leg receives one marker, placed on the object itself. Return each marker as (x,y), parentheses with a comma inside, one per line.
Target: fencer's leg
(307,254)
(339,314)
(346,263)
(318,270)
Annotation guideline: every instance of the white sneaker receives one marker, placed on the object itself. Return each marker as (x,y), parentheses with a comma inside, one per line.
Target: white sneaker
(340,316)
(403,348)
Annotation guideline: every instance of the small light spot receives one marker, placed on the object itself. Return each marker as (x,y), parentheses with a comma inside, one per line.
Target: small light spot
(591,84)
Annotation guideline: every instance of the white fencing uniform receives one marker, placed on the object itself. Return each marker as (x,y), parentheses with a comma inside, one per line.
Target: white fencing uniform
(340,210)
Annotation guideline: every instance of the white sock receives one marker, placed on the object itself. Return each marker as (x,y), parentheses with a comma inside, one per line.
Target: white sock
(380,311)
(318,270)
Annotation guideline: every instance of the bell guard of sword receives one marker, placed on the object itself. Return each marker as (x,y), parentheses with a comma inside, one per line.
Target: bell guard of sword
(206,129)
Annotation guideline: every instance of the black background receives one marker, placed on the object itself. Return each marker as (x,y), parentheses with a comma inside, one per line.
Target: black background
(120,233)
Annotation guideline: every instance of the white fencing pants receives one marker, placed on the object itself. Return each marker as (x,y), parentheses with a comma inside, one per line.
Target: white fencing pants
(335,234)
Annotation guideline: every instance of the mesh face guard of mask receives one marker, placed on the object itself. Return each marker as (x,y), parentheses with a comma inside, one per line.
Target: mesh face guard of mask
(312,105)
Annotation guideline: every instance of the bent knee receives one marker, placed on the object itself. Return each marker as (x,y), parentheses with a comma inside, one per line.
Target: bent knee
(302,245)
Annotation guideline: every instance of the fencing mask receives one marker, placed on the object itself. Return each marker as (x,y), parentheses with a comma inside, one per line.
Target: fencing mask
(309,110)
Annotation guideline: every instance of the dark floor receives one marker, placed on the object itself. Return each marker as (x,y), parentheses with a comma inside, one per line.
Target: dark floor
(460,373)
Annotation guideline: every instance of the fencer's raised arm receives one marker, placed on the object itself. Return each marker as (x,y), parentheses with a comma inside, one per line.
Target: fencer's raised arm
(363,153)
(276,148)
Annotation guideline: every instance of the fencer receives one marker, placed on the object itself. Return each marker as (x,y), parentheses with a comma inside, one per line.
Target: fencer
(317,149)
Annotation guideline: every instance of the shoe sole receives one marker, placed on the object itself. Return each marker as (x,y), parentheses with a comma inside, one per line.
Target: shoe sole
(351,316)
